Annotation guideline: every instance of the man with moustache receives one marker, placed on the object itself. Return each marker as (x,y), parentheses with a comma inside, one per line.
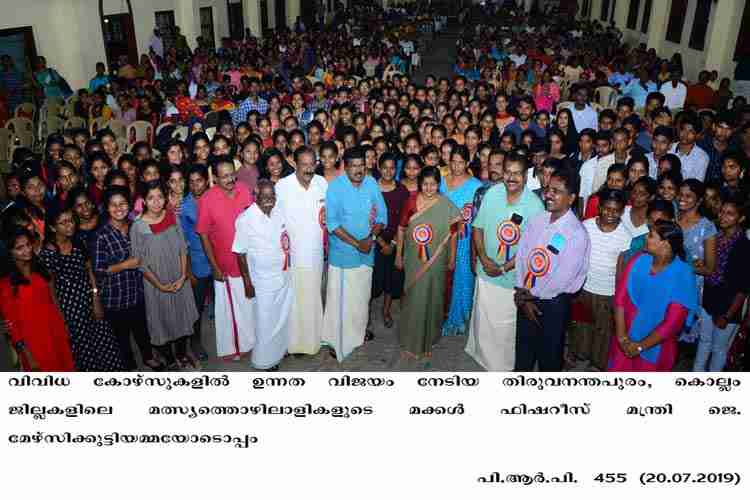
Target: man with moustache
(504,214)
(301,199)
(552,260)
(355,216)
(261,243)
(218,210)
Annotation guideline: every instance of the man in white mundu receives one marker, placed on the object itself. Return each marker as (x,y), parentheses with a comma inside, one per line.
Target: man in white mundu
(218,210)
(355,216)
(301,199)
(502,218)
(261,243)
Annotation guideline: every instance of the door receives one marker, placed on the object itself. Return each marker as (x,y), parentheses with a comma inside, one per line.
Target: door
(236,21)
(309,12)
(263,18)
(207,26)
(119,39)
(164,20)
(280,14)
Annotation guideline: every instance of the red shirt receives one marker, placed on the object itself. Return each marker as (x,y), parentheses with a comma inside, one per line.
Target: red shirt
(217,214)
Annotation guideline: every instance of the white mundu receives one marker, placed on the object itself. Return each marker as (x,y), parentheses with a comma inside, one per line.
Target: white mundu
(264,241)
(304,212)
(492,330)
(347,308)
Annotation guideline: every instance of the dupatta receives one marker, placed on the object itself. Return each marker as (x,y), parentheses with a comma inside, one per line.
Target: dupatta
(651,294)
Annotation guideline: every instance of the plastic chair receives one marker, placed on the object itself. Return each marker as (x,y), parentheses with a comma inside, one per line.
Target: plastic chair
(180,133)
(140,130)
(97,125)
(22,130)
(25,110)
(119,128)
(210,132)
(565,105)
(75,122)
(604,95)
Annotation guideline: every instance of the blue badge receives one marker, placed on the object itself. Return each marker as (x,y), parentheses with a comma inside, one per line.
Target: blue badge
(557,244)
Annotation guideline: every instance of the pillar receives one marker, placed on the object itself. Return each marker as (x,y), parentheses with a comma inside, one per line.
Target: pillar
(251,10)
(621,13)
(293,10)
(657,27)
(721,39)
(189,23)
(272,13)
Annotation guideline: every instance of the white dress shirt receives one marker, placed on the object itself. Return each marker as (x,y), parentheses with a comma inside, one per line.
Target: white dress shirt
(674,96)
(259,237)
(303,210)
(585,118)
(694,164)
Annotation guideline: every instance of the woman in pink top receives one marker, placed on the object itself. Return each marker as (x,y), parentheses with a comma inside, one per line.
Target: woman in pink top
(546,93)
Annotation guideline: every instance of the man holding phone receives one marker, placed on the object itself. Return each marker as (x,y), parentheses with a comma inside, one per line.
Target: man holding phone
(552,261)
(504,214)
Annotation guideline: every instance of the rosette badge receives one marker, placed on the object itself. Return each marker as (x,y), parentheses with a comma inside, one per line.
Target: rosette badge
(422,236)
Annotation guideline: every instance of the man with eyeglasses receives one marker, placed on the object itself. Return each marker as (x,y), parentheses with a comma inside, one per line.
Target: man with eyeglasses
(504,214)
(218,210)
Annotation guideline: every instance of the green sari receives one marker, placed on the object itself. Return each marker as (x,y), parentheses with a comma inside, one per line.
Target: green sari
(426,254)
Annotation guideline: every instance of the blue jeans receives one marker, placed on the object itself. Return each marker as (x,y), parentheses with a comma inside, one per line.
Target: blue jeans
(713,342)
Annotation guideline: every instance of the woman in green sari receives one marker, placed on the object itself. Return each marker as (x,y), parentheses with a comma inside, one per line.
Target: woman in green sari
(426,251)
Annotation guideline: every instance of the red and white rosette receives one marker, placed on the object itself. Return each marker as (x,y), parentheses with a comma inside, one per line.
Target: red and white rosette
(508,235)
(422,236)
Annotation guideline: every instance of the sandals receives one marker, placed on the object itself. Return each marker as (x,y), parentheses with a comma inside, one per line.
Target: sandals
(186,362)
(388,321)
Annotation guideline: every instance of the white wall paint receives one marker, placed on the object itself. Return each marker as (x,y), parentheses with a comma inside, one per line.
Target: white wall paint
(693,60)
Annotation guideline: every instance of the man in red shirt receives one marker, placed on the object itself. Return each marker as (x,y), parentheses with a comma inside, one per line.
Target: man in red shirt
(218,210)
(700,95)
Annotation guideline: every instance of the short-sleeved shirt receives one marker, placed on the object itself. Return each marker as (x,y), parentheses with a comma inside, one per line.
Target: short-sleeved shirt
(305,214)
(552,258)
(199,264)
(356,210)
(694,164)
(605,249)
(262,239)
(496,217)
(217,213)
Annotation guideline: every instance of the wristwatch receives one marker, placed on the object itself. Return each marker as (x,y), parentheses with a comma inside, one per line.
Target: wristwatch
(20,345)
(95,291)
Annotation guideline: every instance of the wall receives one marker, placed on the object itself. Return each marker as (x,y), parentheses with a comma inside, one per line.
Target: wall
(723,27)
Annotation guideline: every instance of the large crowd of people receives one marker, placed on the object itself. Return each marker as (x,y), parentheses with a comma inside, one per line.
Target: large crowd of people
(505,202)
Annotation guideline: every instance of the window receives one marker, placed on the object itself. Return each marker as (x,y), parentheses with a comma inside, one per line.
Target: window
(207,26)
(700,25)
(646,16)
(676,20)
(633,14)
(605,10)
(165,23)
(742,49)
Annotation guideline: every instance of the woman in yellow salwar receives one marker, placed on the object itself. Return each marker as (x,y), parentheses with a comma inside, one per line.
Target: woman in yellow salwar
(426,251)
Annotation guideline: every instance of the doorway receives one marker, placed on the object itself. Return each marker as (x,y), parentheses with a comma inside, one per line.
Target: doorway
(207,27)
(119,39)
(18,43)
(236,21)
(280,15)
